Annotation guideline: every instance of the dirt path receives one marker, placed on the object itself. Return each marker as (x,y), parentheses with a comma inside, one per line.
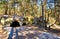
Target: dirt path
(32,32)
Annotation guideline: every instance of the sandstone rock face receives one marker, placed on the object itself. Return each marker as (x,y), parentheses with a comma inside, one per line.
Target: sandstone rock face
(3,33)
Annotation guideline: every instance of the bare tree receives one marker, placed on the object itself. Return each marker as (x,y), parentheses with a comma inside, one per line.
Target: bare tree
(57,10)
(6,7)
(44,8)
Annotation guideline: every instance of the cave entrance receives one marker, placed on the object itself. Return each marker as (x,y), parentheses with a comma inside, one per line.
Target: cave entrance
(15,24)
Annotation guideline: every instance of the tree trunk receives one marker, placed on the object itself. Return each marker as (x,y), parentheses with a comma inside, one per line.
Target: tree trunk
(44,3)
(6,9)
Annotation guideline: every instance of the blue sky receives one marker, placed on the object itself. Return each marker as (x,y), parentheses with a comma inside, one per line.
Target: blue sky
(49,2)
(52,1)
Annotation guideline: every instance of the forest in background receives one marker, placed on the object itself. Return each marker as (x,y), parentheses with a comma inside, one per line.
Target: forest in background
(48,9)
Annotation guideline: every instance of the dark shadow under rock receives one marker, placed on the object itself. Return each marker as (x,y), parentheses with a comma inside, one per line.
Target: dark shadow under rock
(15,24)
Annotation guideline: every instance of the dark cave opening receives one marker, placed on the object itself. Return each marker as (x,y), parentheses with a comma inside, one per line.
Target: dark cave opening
(15,24)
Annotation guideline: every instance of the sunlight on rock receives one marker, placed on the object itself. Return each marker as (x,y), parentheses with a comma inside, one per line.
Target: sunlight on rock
(31,31)
(2,21)
(9,19)
(36,37)
(19,33)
